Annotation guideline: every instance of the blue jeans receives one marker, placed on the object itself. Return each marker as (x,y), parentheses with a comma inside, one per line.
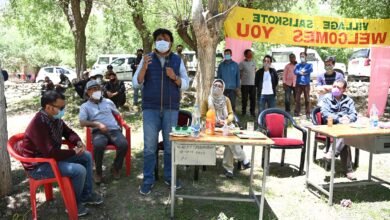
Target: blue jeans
(78,168)
(231,94)
(155,121)
(269,99)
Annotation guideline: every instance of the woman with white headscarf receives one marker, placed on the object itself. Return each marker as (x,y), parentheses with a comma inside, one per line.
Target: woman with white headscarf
(224,114)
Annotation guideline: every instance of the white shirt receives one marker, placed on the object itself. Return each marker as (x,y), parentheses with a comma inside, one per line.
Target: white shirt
(267,84)
(183,75)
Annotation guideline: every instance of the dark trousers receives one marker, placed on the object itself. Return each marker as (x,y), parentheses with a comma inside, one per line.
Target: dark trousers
(101,140)
(306,91)
(231,94)
(248,90)
(287,97)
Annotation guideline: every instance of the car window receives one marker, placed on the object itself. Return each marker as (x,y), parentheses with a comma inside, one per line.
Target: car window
(131,60)
(311,57)
(49,70)
(118,62)
(190,57)
(60,70)
(104,60)
(360,54)
(281,57)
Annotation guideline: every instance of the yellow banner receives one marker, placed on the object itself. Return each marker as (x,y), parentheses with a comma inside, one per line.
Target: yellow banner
(286,28)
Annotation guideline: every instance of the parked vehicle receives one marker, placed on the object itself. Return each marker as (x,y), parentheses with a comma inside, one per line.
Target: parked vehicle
(53,72)
(104,59)
(281,59)
(192,62)
(121,66)
(359,65)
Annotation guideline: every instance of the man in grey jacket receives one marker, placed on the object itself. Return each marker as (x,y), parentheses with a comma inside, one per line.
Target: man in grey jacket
(342,109)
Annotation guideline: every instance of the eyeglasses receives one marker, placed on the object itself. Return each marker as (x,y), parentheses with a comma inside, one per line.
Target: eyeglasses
(60,108)
(339,87)
(218,85)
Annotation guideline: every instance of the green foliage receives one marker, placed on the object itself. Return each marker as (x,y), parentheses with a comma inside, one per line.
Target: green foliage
(362,8)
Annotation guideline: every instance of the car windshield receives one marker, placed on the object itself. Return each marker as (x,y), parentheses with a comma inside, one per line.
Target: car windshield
(190,57)
(360,54)
(281,57)
(104,60)
(118,62)
(49,70)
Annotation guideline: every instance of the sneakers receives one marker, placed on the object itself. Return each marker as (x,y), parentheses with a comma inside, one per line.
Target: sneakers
(81,210)
(145,189)
(228,174)
(350,176)
(94,199)
(247,166)
(178,184)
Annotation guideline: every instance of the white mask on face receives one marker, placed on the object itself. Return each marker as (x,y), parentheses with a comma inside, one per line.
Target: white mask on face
(96,95)
(162,46)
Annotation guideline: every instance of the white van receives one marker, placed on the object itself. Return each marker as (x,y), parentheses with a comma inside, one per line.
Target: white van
(359,65)
(104,59)
(192,62)
(281,59)
(122,67)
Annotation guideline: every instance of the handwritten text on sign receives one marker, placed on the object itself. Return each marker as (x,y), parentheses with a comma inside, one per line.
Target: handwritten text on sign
(297,29)
(188,154)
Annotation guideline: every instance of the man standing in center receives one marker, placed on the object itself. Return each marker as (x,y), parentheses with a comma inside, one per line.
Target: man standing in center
(229,72)
(162,75)
(248,72)
(303,71)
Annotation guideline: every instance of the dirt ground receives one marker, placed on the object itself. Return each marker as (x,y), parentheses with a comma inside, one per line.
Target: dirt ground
(286,197)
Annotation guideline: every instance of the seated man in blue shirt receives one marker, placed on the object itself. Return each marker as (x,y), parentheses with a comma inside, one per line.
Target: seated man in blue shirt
(97,113)
(342,109)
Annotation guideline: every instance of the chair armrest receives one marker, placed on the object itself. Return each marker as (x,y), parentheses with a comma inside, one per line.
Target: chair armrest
(304,132)
(263,130)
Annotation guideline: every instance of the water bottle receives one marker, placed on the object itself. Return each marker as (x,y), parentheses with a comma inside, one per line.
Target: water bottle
(374,116)
(225,129)
(195,126)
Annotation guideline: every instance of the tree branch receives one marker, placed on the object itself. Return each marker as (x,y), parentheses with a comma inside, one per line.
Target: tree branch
(223,13)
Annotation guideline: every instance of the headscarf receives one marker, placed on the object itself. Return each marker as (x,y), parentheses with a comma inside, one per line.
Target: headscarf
(217,101)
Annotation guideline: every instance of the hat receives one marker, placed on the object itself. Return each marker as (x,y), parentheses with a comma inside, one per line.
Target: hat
(332,59)
(91,84)
(95,72)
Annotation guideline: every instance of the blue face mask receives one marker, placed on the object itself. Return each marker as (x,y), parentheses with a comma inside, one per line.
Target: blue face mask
(228,57)
(60,114)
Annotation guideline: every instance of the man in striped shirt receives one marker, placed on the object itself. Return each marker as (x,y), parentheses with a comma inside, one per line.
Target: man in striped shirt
(342,109)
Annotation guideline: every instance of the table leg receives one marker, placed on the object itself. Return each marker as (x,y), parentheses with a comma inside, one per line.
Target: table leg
(308,141)
(173,179)
(370,167)
(330,202)
(252,167)
(263,191)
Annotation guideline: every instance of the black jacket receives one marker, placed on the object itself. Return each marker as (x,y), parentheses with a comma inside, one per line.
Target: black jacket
(117,86)
(259,80)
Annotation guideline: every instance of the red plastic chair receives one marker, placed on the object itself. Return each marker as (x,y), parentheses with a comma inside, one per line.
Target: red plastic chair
(316,119)
(273,122)
(65,184)
(122,124)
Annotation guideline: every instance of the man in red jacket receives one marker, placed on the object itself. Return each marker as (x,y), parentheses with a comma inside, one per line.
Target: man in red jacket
(43,138)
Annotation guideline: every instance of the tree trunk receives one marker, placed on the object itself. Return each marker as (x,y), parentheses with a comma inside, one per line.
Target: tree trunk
(80,51)
(207,28)
(139,22)
(5,163)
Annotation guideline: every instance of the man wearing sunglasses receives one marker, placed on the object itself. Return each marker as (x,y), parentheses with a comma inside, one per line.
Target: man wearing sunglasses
(98,113)
(43,138)
(342,109)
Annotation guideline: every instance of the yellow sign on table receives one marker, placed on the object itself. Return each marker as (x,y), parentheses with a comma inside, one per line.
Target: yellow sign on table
(287,28)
